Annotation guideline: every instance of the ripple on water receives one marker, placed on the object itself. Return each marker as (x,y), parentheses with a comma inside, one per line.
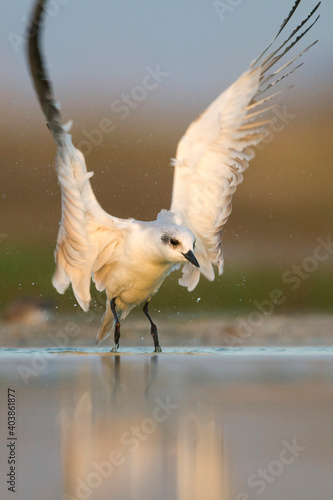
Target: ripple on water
(222,351)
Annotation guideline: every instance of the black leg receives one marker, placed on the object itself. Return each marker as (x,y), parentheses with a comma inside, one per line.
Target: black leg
(153,328)
(117,325)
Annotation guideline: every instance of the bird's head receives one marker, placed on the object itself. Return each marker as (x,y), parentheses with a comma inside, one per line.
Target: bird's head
(177,244)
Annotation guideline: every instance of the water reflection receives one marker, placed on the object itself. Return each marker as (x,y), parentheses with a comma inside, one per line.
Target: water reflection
(138,436)
(227,425)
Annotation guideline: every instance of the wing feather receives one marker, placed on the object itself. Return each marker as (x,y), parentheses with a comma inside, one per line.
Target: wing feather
(217,147)
(88,236)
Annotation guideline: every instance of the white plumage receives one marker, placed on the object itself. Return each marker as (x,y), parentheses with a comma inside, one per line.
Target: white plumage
(129,259)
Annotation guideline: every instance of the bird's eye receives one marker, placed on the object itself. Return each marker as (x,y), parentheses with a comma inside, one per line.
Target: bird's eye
(173,242)
(194,245)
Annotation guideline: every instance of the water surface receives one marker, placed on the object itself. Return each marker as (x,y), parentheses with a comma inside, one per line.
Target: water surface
(218,423)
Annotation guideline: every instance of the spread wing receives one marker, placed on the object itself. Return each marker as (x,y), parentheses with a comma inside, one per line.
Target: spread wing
(217,147)
(88,237)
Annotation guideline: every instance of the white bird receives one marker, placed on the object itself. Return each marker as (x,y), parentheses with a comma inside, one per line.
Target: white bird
(130,259)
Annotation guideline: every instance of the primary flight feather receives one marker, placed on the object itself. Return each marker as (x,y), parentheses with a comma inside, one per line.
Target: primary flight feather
(130,259)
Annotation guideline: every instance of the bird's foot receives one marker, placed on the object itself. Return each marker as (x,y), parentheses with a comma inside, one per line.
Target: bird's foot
(158,349)
(114,348)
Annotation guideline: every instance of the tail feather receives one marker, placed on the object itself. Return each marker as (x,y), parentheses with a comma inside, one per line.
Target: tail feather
(108,319)
(107,325)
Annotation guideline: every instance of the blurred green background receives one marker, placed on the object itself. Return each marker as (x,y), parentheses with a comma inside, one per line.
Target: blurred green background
(284,204)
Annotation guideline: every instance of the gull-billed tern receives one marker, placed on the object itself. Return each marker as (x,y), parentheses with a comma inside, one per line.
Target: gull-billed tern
(130,259)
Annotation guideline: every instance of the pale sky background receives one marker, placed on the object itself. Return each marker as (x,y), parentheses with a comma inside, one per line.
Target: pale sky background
(97,49)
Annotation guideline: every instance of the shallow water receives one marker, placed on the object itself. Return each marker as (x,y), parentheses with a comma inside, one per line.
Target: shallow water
(215,423)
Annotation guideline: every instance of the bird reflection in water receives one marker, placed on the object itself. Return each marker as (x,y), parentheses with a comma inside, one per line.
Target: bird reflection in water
(124,434)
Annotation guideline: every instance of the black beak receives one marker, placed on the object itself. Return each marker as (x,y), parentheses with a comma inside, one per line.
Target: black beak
(191,258)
